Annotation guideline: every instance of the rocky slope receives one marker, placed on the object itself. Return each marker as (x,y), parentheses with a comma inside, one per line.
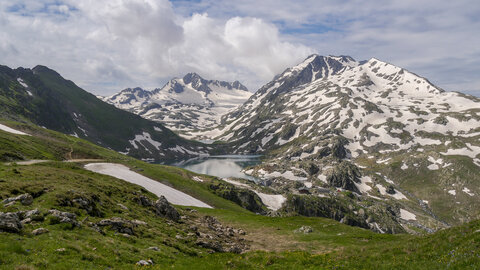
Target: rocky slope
(184,105)
(372,128)
(43,97)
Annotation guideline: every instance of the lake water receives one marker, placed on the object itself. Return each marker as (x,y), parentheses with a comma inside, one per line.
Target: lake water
(224,166)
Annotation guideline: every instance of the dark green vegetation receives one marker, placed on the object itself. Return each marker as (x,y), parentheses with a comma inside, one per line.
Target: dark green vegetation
(51,101)
(273,242)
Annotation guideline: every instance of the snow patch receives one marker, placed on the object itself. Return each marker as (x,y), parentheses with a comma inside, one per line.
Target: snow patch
(362,186)
(273,202)
(466,190)
(124,173)
(11,130)
(406,215)
(452,192)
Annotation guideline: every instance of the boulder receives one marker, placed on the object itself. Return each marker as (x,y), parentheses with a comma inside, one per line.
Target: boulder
(10,222)
(304,229)
(390,190)
(64,217)
(144,262)
(30,215)
(39,231)
(165,209)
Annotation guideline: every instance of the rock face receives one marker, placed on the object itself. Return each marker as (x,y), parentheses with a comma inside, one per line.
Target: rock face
(345,175)
(10,222)
(165,209)
(243,197)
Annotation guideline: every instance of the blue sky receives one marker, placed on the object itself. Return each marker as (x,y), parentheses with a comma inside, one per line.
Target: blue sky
(105,46)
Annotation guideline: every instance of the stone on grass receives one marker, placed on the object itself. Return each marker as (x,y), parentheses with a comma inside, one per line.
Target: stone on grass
(145,262)
(165,209)
(39,231)
(10,222)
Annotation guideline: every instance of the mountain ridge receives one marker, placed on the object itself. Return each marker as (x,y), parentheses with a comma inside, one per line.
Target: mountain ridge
(183,104)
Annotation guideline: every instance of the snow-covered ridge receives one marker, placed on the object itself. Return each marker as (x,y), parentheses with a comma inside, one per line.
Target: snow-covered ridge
(374,103)
(183,104)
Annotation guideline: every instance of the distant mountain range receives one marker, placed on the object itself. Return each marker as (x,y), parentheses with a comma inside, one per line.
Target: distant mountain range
(184,105)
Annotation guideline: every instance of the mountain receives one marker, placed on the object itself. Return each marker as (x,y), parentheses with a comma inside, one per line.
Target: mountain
(371,128)
(184,105)
(43,97)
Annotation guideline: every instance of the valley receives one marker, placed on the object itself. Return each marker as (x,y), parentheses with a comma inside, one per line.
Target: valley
(335,163)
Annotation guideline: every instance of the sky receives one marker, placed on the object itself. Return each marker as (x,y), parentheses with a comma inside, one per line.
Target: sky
(106,46)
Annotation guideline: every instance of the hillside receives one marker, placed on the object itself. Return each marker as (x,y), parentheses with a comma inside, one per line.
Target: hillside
(79,219)
(184,104)
(41,96)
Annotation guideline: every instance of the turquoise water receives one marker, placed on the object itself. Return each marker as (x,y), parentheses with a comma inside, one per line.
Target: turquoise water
(224,166)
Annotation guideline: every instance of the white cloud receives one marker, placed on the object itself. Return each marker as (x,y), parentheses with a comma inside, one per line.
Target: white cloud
(105,46)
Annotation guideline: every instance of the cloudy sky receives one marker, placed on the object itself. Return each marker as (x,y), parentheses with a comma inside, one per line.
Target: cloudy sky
(105,46)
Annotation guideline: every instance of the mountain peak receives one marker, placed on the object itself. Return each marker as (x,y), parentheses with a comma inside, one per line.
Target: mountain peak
(192,77)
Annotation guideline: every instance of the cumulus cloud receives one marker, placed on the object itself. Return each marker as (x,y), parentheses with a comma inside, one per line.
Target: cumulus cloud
(436,39)
(107,45)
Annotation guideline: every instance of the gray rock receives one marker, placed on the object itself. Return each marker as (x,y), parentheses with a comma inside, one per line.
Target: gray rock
(153,248)
(139,222)
(65,217)
(61,250)
(304,229)
(143,201)
(145,262)
(165,209)
(10,203)
(122,206)
(390,190)
(39,231)
(118,224)
(25,199)
(10,222)
(29,216)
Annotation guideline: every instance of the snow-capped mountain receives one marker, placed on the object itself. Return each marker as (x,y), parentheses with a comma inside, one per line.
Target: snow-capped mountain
(185,104)
(369,127)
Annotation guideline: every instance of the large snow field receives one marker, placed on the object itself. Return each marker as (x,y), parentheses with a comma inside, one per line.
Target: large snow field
(124,173)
